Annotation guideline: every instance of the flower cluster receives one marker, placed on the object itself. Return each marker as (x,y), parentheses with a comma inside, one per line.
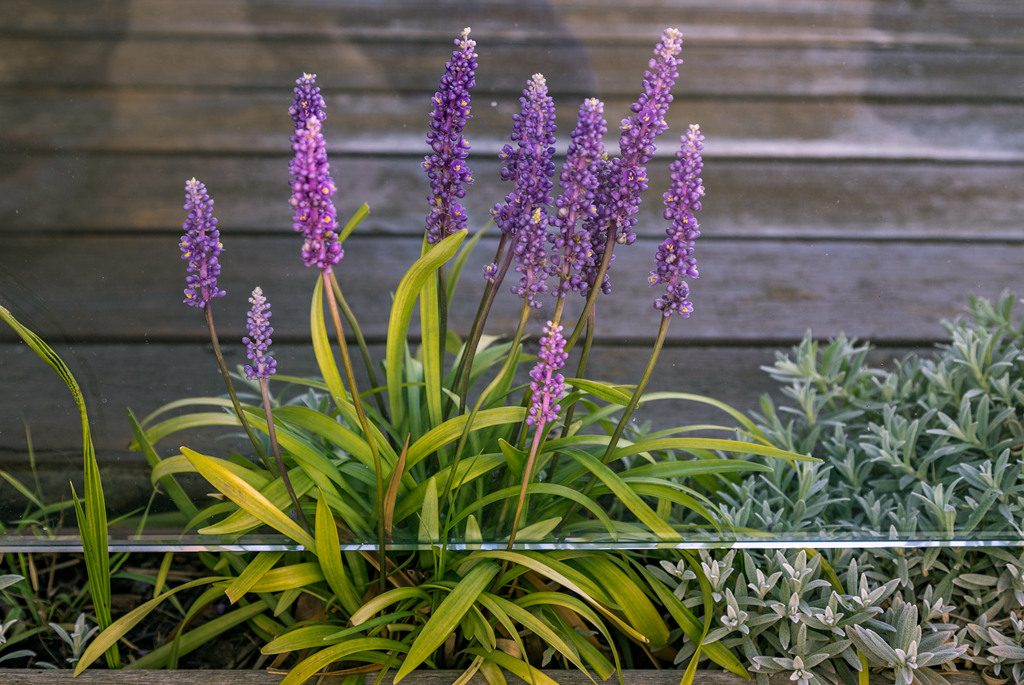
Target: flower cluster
(308,102)
(200,245)
(636,142)
(547,384)
(258,341)
(523,216)
(312,188)
(446,167)
(573,250)
(529,165)
(675,261)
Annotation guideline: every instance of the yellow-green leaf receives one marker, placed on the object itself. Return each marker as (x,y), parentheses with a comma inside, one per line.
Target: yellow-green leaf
(447,616)
(247,497)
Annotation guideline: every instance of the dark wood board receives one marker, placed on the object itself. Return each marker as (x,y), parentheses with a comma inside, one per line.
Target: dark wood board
(746,198)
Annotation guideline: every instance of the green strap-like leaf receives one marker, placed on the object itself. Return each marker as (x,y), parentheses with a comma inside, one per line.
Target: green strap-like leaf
(257,568)
(629,498)
(171,486)
(328,551)
(719,444)
(447,616)
(401,312)
(538,627)
(92,520)
(119,628)
(247,497)
(616,394)
(569,578)
(350,649)
(634,604)
(451,430)
(685,619)
(199,637)
(292,577)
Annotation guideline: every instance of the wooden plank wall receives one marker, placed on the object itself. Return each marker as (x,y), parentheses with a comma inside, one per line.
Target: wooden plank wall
(864,167)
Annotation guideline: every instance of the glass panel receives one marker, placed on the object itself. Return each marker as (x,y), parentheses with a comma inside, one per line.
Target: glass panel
(850,189)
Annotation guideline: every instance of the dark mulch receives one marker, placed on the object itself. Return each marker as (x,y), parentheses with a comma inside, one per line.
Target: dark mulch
(56,591)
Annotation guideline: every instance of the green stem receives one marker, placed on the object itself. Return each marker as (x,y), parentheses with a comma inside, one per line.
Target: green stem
(630,407)
(595,289)
(272,432)
(208,311)
(523,317)
(465,368)
(627,413)
(363,423)
(527,477)
(364,351)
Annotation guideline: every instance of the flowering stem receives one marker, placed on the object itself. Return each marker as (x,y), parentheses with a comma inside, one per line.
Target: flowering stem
(639,391)
(272,432)
(523,317)
(360,340)
(208,311)
(595,290)
(527,477)
(486,301)
(633,402)
(580,369)
(363,423)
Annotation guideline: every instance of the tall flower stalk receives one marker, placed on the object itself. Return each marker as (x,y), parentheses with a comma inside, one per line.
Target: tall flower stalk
(264,366)
(674,261)
(573,251)
(316,218)
(200,246)
(624,178)
(523,216)
(446,167)
(548,387)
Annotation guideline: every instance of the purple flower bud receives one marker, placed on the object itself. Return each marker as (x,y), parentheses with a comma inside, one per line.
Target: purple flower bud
(258,341)
(312,188)
(674,261)
(573,249)
(200,245)
(447,168)
(547,384)
(308,101)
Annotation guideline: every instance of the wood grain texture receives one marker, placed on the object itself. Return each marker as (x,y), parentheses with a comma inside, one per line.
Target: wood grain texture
(865,169)
(747,197)
(759,292)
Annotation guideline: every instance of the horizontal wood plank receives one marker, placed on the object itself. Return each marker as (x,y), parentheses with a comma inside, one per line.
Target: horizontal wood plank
(118,288)
(148,121)
(747,198)
(809,21)
(792,71)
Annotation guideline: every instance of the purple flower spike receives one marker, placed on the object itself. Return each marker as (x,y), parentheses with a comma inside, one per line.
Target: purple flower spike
(312,188)
(446,167)
(573,249)
(308,101)
(636,142)
(528,165)
(674,260)
(547,384)
(524,214)
(258,341)
(200,245)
